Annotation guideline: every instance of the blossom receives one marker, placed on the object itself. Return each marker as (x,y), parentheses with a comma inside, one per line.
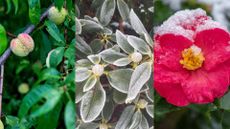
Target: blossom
(191,60)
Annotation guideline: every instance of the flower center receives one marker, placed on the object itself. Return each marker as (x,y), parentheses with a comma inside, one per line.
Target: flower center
(98,69)
(192,58)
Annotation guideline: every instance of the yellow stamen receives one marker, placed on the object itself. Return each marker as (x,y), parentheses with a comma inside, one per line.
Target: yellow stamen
(192,58)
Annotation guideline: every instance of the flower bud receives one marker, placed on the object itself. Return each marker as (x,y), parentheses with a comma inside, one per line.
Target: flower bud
(22,45)
(98,69)
(1,125)
(23,88)
(57,16)
(136,57)
(142,104)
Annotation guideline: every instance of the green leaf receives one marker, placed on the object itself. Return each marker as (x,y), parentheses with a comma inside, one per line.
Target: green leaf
(125,118)
(123,9)
(52,99)
(139,44)
(54,32)
(123,43)
(70,54)
(3,39)
(224,101)
(12,121)
(8,3)
(70,115)
(136,23)
(119,79)
(59,3)
(55,57)
(15,2)
(139,77)
(107,11)
(53,116)
(50,74)
(34,96)
(34,11)
(92,103)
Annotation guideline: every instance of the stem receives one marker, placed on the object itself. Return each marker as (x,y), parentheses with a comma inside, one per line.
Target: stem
(1,88)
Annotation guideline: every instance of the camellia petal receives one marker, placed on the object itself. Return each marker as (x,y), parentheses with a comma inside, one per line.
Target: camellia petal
(215,46)
(168,50)
(172,92)
(203,86)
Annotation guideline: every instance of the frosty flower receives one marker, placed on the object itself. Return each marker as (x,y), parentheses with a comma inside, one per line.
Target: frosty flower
(191,56)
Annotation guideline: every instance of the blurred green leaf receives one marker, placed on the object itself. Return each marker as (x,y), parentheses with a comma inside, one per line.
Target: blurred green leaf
(70,115)
(34,11)
(3,39)
(55,57)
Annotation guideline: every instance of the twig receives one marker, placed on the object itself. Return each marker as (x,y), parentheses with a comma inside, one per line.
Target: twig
(1,88)
(29,29)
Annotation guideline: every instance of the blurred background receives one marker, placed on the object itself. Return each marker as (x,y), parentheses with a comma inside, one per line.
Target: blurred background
(208,116)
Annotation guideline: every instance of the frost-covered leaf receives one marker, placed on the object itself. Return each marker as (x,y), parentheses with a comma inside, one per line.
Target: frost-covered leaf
(123,9)
(90,83)
(119,97)
(89,26)
(149,110)
(96,59)
(123,43)
(79,91)
(107,11)
(83,63)
(108,110)
(96,45)
(90,125)
(139,77)
(82,74)
(125,118)
(136,120)
(92,103)
(119,79)
(144,123)
(136,23)
(122,61)
(82,46)
(111,55)
(139,44)
(78,26)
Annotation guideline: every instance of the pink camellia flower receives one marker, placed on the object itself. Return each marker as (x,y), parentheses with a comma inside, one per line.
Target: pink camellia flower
(191,57)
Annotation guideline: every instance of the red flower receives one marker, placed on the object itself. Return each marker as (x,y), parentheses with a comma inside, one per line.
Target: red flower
(191,56)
